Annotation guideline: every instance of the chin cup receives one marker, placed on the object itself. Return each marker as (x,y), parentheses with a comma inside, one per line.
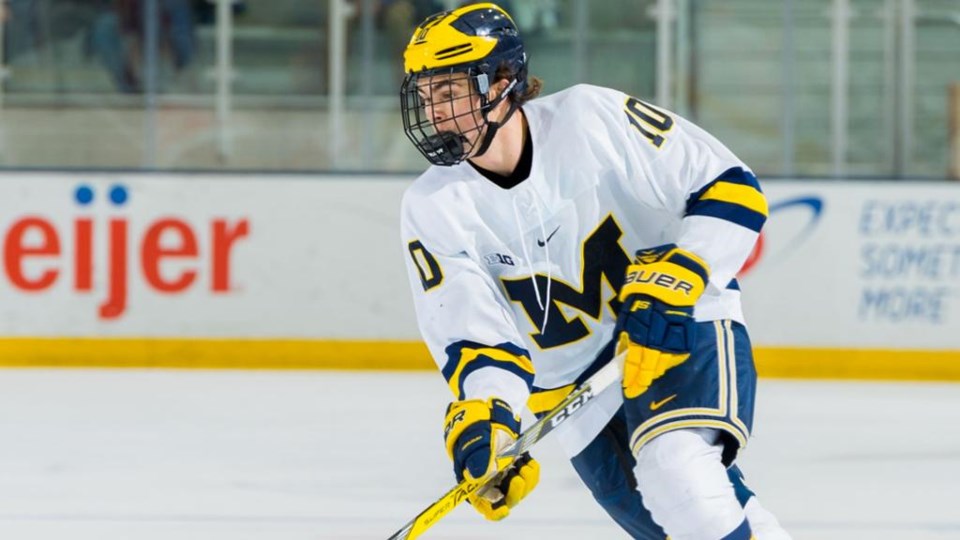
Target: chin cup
(445,148)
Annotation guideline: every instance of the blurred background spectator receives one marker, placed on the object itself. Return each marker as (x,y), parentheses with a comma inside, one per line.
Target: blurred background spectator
(117,38)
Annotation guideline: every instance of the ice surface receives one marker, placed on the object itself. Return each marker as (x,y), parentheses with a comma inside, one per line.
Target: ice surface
(183,455)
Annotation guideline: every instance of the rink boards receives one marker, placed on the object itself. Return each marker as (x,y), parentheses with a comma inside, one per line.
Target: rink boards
(850,279)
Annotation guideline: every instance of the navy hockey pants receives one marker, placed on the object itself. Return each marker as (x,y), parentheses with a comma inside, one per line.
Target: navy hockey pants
(606,467)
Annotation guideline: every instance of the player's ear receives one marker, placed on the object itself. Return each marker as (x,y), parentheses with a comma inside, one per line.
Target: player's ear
(497,88)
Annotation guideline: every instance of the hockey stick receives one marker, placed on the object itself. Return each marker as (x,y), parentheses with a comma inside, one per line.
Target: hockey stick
(590,388)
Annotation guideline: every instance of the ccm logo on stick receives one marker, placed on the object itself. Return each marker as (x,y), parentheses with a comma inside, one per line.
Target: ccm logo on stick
(572,407)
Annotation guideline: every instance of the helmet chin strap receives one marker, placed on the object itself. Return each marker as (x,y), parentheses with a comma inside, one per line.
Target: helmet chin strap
(493,127)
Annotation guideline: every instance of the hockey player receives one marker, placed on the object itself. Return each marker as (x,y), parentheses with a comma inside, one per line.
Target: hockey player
(520,245)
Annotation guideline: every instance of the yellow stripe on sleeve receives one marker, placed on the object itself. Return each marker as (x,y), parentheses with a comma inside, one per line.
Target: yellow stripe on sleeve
(746,196)
(499,355)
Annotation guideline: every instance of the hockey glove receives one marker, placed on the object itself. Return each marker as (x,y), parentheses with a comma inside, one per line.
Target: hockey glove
(474,430)
(656,325)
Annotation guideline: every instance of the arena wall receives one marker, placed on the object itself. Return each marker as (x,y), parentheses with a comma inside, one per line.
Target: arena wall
(850,279)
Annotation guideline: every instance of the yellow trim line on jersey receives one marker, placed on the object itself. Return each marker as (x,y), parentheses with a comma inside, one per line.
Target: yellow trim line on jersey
(779,362)
(746,196)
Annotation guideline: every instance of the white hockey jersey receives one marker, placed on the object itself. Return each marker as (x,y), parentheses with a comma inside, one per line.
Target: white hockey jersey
(516,289)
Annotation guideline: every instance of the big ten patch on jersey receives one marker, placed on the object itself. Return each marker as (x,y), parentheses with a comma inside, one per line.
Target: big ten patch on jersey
(713,388)
(502,257)
(499,259)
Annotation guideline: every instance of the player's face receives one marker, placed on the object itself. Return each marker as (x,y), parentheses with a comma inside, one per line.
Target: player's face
(451,104)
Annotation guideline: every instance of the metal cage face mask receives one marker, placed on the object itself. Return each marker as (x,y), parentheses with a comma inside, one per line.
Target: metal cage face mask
(444,113)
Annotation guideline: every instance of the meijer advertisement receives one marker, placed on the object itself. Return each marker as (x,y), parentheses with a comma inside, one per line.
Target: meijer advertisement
(220,270)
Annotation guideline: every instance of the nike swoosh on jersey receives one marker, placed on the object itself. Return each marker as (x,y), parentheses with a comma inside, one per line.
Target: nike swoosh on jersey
(542,243)
(654,405)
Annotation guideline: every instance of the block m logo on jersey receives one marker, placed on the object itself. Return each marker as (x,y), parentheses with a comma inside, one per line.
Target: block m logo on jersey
(601,257)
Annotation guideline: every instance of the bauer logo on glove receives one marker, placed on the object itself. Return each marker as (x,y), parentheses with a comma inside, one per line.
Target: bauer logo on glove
(452,421)
(656,327)
(660,280)
(475,431)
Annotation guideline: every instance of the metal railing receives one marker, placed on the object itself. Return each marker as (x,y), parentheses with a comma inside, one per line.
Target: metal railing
(352,118)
